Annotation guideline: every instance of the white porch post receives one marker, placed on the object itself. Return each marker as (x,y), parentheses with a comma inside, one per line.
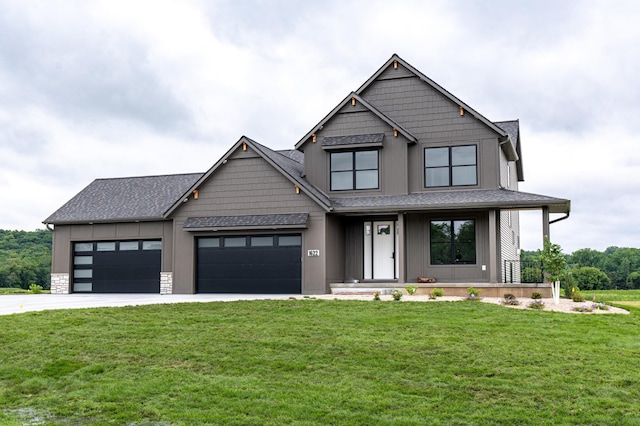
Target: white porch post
(400,249)
(493,247)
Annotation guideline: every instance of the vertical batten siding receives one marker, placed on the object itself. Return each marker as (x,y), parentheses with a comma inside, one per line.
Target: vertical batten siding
(248,185)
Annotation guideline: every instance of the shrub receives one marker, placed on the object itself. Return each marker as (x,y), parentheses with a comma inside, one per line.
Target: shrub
(411,289)
(582,308)
(536,304)
(633,280)
(577,296)
(590,278)
(473,291)
(510,299)
(432,294)
(376,295)
(35,289)
(600,306)
(474,294)
(397,294)
(536,296)
(438,292)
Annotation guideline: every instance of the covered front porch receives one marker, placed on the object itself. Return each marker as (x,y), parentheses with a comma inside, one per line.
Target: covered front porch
(448,248)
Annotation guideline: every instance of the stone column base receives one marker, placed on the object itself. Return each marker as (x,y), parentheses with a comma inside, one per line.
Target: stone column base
(59,283)
(166,282)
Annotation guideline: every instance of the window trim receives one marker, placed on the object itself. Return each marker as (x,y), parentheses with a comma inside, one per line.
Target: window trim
(354,171)
(450,167)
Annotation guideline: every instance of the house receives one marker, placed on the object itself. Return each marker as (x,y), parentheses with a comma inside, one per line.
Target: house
(400,180)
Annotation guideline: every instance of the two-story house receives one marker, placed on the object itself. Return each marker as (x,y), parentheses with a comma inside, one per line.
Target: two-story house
(400,180)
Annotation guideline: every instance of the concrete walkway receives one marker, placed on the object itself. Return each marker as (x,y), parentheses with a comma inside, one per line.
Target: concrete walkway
(17,303)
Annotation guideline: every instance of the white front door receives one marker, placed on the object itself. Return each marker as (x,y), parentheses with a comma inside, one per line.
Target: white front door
(379,250)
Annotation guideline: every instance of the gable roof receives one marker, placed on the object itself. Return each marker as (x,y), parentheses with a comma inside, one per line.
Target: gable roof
(124,199)
(512,127)
(353,95)
(436,86)
(283,162)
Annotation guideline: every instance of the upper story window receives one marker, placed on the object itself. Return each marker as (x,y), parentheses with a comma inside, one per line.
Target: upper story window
(451,166)
(354,170)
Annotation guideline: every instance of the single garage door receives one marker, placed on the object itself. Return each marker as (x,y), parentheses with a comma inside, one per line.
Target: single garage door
(117,266)
(261,264)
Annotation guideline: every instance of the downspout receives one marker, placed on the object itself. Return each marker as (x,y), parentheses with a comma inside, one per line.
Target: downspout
(48,225)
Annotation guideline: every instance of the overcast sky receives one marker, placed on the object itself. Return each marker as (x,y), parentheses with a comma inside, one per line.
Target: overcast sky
(95,89)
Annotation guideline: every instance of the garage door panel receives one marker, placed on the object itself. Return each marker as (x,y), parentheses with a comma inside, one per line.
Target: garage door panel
(251,269)
(118,271)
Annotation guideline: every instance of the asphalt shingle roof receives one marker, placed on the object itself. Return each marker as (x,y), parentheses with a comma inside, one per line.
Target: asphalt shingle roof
(440,200)
(247,221)
(133,198)
(512,128)
(353,139)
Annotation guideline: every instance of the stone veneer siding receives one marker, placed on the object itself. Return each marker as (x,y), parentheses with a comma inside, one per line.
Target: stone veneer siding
(166,282)
(59,283)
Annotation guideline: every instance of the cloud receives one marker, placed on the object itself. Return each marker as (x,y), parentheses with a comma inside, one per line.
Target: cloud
(106,88)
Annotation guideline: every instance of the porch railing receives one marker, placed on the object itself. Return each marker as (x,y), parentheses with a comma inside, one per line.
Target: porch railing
(523,271)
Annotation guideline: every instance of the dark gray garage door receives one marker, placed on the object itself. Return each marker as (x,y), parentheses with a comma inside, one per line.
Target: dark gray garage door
(117,267)
(261,264)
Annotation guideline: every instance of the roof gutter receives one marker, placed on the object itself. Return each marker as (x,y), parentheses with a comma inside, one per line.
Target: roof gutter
(560,218)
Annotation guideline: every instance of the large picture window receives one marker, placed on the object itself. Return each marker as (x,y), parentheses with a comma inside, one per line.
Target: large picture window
(451,166)
(354,170)
(453,242)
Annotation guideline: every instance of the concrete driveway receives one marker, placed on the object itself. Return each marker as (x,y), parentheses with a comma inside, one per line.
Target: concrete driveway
(17,303)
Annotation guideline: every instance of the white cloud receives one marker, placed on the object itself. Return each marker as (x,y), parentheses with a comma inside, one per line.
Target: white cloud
(112,88)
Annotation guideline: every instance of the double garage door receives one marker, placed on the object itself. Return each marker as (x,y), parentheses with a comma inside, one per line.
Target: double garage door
(117,266)
(261,264)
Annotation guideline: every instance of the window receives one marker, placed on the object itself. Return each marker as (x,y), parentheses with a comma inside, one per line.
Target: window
(289,240)
(354,170)
(152,245)
(128,245)
(450,166)
(261,241)
(453,242)
(106,246)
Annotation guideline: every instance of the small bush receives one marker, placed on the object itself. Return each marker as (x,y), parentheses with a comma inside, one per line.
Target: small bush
(582,308)
(577,296)
(376,295)
(473,291)
(411,289)
(536,296)
(438,292)
(536,304)
(600,307)
(397,294)
(474,294)
(35,289)
(510,299)
(432,294)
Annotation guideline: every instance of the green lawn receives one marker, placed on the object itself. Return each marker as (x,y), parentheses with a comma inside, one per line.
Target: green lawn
(310,362)
(613,295)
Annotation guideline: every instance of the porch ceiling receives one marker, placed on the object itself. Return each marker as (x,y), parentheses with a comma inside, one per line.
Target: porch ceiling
(452,200)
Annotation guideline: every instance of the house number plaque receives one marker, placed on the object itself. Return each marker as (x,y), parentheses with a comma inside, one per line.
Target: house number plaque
(313,253)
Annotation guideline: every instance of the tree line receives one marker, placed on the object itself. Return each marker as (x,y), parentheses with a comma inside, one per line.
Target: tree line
(25,258)
(615,268)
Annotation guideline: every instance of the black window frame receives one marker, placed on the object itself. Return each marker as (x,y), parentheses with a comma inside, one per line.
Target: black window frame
(450,166)
(450,249)
(354,171)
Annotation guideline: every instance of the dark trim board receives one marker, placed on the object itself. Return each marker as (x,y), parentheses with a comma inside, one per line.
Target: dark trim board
(260,264)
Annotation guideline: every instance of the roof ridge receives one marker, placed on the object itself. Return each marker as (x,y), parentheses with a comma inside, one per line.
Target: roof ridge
(148,176)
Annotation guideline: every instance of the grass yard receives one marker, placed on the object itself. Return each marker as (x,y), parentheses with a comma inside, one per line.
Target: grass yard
(309,362)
